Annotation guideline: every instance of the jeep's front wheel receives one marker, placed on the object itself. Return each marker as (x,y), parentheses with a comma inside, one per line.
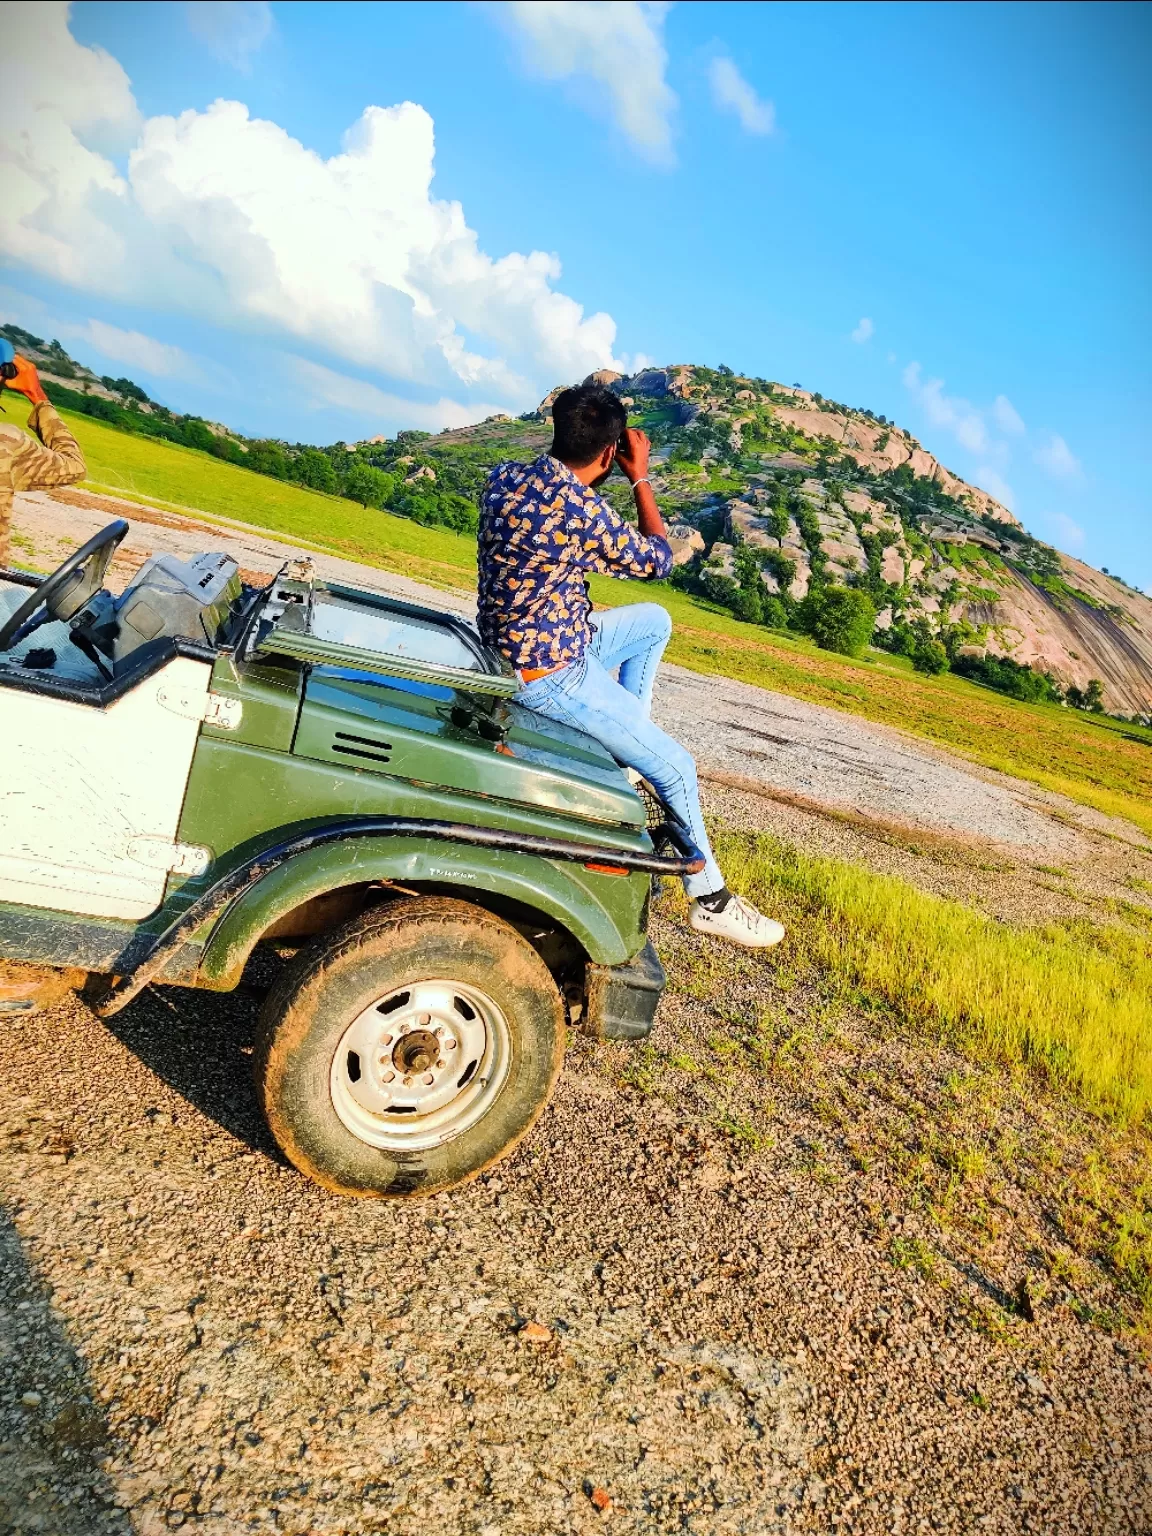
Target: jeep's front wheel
(410,1050)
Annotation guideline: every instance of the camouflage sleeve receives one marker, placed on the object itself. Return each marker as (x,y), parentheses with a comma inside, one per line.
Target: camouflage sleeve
(611,545)
(55,460)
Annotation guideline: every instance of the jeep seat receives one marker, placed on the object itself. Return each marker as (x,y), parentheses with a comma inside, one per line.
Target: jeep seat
(68,662)
(176,599)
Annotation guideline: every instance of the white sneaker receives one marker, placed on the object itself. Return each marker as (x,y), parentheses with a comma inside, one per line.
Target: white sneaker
(739,921)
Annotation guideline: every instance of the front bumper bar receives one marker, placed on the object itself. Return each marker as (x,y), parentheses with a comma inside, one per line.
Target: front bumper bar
(620,1000)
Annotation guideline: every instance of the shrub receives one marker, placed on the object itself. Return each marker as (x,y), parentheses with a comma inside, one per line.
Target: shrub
(719,587)
(773,612)
(1014,678)
(314,468)
(838,619)
(781,567)
(747,605)
(930,657)
(808,526)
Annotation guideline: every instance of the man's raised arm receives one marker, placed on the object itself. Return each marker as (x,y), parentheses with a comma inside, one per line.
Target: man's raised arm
(632,456)
(617,547)
(56,459)
(28,465)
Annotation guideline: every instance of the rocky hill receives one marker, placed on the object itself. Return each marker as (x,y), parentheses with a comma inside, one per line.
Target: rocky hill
(770,486)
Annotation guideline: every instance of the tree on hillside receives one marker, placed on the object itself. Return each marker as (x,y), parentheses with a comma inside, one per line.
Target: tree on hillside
(269,458)
(778,522)
(1015,678)
(838,618)
(1090,698)
(314,468)
(197,435)
(370,487)
(227,448)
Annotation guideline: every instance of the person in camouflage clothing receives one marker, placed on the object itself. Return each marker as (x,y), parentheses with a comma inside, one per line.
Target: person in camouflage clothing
(27,464)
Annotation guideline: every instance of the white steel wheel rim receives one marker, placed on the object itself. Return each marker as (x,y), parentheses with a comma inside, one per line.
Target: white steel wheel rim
(420,1065)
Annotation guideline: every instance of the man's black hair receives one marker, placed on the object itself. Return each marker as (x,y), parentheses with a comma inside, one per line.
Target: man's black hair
(585,421)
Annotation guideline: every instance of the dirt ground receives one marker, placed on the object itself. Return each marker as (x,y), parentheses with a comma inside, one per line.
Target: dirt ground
(779,1269)
(831,1286)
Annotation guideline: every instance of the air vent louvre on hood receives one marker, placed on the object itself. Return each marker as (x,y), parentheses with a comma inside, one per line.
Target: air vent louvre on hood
(374,750)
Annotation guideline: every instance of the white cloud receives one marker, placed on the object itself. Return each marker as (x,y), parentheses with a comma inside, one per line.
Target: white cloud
(233,29)
(732,93)
(325,387)
(63,105)
(864,331)
(1008,418)
(241,224)
(1055,457)
(990,480)
(1067,533)
(615,45)
(956,415)
(134,349)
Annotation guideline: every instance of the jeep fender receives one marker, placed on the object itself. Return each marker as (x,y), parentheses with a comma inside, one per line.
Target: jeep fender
(565,893)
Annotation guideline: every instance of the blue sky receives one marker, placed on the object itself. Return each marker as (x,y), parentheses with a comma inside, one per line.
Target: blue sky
(963,189)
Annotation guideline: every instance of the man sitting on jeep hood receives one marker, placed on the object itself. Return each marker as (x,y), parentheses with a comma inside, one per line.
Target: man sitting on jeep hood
(28,465)
(542,527)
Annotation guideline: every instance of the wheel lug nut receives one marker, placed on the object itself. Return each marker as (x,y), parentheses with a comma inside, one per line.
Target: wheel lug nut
(407,1082)
(440,1063)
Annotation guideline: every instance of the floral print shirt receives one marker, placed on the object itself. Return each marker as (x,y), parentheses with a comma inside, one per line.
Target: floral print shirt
(541,530)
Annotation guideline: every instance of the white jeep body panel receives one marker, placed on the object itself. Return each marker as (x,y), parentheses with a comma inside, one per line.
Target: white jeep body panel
(90,799)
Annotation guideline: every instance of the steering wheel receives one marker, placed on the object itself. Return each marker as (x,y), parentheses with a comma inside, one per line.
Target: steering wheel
(71,585)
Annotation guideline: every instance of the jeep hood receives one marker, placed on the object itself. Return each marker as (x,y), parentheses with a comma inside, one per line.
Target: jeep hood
(443,737)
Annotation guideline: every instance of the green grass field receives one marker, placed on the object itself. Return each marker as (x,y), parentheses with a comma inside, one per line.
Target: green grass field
(1099,762)
(170,476)
(1076,1007)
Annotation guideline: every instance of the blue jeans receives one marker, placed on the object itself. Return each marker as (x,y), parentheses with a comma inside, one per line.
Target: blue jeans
(587,697)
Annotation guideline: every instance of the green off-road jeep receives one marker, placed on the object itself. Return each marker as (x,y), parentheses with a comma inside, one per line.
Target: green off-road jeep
(200,766)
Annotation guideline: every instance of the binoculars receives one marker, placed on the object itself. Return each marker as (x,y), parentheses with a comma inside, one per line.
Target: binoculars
(8,369)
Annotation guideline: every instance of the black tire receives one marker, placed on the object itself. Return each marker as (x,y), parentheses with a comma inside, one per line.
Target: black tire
(333,987)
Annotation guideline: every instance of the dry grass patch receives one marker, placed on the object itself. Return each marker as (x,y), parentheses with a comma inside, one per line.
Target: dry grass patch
(1073,1004)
